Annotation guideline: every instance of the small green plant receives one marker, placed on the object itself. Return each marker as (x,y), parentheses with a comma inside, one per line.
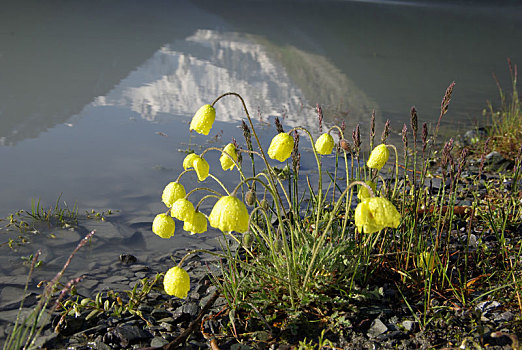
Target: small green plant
(27,329)
(110,303)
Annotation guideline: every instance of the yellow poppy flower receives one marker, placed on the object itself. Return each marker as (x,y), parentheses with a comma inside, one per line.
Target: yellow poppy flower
(324,144)
(229,214)
(182,209)
(172,192)
(163,225)
(203,119)
(374,214)
(281,147)
(189,160)
(196,224)
(176,282)
(378,157)
(226,162)
(202,168)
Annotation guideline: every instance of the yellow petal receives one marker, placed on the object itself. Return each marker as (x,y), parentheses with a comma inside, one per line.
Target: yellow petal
(281,147)
(229,214)
(177,282)
(164,226)
(363,192)
(378,157)
(196,224)
(324,144)
(182,209)
(172,192)
(202,168)
(226,162)
(203,119)
(189,160)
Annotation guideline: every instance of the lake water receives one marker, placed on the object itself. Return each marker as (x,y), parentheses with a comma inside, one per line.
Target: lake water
(96,96)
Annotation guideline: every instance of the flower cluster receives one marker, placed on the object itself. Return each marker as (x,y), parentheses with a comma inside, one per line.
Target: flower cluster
(230,213)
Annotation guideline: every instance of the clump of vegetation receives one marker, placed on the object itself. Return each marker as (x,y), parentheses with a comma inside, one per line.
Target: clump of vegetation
(27,329)
(312,249)
(505,130)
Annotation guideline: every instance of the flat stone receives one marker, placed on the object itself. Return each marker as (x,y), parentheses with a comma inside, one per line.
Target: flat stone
(114,279)
(377,328)
(408,325)
(16,280)
(130,334)
(157,342)
(13,301)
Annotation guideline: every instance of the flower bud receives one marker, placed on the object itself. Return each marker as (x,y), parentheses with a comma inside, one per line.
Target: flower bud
(248,240)
(278,245)
(177,282)
(345,145)
(229,214)
(378,157)
(203,119)
(202,168)
(172,192)
(164,226)
(281,147)
(264,204)
(196,224)
(324,144)
(182,209)
(188,162)
(226,162)
(250,197)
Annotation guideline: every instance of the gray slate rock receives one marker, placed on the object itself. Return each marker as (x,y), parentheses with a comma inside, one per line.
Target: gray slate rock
(377,328)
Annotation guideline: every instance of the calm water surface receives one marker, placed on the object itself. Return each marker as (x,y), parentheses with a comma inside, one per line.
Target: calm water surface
(88,90)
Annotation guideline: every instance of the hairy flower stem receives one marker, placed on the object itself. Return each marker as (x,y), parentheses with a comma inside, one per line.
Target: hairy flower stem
(347,174)
(263,155)
(319,242)
(204,198)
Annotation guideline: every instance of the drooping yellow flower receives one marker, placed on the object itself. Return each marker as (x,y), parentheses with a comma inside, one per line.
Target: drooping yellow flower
(182,209)
(229,214)
(172,192)
(176,282)
(202,168)
(427,260)
(378,157)
(363,192)
(281,147)
(189,160)
(374,214)
(324,144)
(163,225)
(199,164)
(226,162)
(203,119)
(196,224)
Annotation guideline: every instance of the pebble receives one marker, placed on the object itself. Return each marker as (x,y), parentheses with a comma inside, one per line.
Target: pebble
(377,328)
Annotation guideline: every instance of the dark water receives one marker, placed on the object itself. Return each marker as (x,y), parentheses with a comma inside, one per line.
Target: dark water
(89,89)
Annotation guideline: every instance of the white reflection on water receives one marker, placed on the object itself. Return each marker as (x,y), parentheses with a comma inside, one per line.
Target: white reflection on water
(182,76)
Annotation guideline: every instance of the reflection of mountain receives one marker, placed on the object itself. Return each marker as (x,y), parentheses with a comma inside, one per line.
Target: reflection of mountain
(57,56)
(184,75)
